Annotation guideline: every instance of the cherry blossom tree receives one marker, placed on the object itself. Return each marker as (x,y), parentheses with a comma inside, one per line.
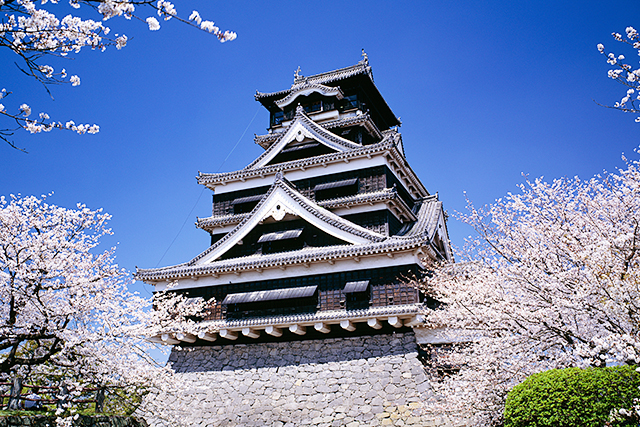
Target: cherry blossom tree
(65,310)
(552,280)
(37,34)
(625,73)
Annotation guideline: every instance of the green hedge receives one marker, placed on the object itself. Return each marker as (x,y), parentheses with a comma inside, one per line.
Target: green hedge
(571,397)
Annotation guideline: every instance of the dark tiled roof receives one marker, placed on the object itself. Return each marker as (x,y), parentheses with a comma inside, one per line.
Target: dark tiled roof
(384,195)
(419,235)
(361,67)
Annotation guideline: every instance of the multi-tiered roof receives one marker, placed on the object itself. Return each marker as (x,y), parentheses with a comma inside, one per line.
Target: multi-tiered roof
(322,232)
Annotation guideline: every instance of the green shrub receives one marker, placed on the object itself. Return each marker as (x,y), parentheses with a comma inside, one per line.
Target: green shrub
(571,397)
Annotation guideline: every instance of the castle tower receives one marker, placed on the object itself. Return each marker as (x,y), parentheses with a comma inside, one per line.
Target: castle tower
(313,245)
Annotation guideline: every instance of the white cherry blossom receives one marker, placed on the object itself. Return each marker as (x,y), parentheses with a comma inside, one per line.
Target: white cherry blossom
(551,281)
(65,310)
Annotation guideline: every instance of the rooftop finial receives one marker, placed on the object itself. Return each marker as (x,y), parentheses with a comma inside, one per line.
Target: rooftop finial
(365,57)
(296,75)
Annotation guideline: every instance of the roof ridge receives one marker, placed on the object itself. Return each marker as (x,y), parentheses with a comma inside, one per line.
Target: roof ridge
(360,67)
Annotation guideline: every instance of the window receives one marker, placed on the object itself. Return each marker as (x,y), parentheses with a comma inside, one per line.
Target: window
(357,294)
(277,118)
(245,204)
(313,107)
(350,102)
(281,241)
(332,190)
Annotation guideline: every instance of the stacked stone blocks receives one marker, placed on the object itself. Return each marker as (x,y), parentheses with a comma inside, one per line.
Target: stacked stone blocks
(356,381)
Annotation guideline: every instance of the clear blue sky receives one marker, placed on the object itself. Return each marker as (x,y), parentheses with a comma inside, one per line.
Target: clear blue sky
(486,91)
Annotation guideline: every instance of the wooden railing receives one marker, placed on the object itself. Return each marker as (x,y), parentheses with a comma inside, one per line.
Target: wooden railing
(62,396)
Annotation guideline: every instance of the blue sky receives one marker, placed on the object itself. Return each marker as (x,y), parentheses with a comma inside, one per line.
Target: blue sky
(486,91)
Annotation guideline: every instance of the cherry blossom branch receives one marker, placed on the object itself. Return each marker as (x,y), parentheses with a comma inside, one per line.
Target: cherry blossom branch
(34,33)
(624,73)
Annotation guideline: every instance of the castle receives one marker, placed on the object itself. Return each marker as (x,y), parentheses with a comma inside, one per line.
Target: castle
(314,246)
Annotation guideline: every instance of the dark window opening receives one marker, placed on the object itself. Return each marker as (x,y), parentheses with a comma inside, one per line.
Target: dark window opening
(281,241)
(357,295)
(313,107)
(245,204)
(309,106)
(332,190)
(272,302)
(301,151)
(358,135)
(351,102)
(277,118)
(244,207)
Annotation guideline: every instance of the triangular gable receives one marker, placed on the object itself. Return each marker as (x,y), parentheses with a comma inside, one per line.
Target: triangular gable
(282,199)
(302,128)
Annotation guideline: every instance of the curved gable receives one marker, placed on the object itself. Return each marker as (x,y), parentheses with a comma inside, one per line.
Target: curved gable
(307,89)
(300,129)
(283,199)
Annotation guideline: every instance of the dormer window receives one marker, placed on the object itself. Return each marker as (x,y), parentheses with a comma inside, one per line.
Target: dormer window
(351,102)
(318,105)
(281,241)
(332,190)
(313,107)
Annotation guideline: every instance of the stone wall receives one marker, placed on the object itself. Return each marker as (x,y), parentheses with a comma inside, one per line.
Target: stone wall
(355,381)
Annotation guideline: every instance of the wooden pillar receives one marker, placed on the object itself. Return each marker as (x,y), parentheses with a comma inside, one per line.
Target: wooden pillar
(14,398)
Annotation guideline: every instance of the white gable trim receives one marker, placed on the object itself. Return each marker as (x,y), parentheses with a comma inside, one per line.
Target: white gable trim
(303,128)
(308,89)
(279,203)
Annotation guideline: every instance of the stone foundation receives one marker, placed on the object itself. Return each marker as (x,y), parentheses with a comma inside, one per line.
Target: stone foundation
(355,381)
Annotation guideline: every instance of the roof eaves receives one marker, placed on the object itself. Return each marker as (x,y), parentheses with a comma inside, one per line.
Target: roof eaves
(218,178)
(284,259)
(265,141)
(386,194)
(332,315)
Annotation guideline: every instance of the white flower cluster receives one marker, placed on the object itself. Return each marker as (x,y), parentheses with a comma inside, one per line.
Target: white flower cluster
(153,23)
(210,27)
(624,72)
